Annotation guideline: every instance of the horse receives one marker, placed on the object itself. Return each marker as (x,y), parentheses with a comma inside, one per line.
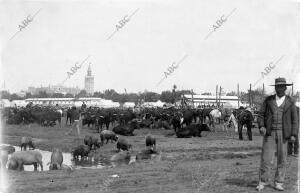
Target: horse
(216,115)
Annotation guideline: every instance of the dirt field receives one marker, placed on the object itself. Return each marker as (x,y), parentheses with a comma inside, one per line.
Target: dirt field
(216,162)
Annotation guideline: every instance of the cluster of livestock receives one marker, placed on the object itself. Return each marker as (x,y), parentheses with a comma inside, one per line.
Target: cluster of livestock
(122,145)
(29,156)
(18,159)
(45,116)
(127,120)
(186,122)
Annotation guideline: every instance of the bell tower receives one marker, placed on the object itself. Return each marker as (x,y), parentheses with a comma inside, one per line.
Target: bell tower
(89,81)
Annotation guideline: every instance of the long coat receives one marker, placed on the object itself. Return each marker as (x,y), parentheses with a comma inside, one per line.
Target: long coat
(290,123)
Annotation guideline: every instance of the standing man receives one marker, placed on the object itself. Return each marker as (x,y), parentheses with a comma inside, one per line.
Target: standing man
(83,106)
(278,123)
(75,118)
(69,115)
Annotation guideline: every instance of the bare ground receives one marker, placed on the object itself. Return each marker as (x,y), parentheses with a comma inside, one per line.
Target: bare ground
(216,162)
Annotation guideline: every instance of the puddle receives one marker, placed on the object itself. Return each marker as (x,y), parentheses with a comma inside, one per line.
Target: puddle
(90,163)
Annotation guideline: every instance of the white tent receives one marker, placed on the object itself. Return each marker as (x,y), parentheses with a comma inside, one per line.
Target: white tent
(4,103)
(158,104)
(109,104)
(228,105)
(129,104)
(19,103)
(153,104)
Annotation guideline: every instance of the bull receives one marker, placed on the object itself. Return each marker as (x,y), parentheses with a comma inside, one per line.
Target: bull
(126,129)
(192,130)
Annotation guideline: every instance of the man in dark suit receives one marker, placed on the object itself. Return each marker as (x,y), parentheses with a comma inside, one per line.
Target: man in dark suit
(75,119)
(278,123)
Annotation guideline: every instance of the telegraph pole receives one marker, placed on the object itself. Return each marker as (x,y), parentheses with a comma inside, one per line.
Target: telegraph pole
(193,98)
(250,97)
(220,97)
(238,95)
(217,94)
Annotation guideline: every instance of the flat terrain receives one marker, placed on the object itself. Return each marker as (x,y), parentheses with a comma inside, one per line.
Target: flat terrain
(216,162)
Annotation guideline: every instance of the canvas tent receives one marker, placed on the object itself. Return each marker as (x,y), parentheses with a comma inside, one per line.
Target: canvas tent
(18,103)
(129,104)
(4,103)
(154,104)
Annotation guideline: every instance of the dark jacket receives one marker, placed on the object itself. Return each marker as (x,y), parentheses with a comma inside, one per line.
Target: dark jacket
(75,114)
(290,123)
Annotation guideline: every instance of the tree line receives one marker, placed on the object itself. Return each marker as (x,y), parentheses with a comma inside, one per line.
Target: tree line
(168,96)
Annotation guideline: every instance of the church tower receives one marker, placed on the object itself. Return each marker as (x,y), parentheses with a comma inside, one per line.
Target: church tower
(89,81)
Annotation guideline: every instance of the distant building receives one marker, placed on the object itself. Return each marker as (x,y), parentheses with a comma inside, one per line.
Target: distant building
(53,89)
(21,94)
(89,82)
(99,102)
(228,101)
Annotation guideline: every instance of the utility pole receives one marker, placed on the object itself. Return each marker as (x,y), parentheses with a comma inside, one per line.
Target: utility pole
(193,98)
(220,96)
(217,94)
(238,95)
(250,97)
(263,89)
(292,89)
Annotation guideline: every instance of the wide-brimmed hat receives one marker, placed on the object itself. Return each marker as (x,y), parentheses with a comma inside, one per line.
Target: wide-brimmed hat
(281,81)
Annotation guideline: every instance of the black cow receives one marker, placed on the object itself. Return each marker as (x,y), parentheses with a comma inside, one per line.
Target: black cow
(91,141)
(81,150)
(151,142)
(192,130)
(107,119)
(188,117)
(123,144)
(126,129)
(125,117)
(99,121)
(205,113)
(88,119)
(108,135)
(26,142)
(175,121)
(244,117)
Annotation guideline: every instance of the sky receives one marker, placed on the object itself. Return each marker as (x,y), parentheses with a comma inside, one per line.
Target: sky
(157,35)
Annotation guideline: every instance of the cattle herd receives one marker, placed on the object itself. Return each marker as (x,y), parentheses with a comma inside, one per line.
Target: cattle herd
(186,122)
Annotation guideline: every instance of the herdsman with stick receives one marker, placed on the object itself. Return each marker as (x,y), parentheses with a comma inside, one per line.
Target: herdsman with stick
(278,123)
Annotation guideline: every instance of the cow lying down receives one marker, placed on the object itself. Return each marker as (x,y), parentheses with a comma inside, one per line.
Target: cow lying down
(193,130)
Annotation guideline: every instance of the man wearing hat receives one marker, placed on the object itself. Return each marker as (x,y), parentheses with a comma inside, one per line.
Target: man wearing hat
(278,123)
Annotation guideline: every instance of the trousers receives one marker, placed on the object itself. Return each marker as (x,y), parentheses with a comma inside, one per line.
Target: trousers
(271,144)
